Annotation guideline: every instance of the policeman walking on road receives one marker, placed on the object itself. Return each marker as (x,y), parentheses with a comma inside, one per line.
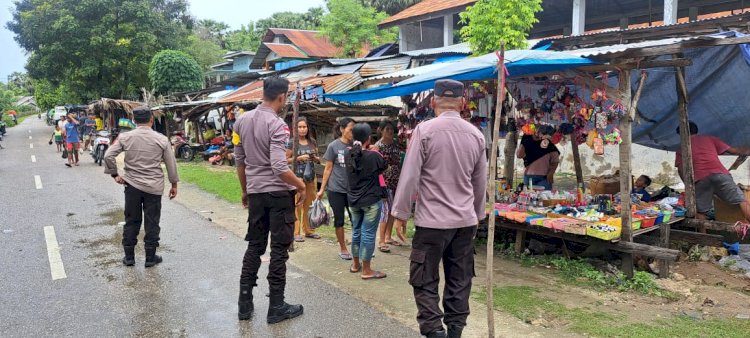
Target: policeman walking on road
(446,168)
(268,192)
(145,150)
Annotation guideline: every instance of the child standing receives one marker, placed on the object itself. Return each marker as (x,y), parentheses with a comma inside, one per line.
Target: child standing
(57,136)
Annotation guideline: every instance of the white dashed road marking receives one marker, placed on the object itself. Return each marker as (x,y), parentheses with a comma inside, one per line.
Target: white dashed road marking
(29,137)
(56,267)
(33,159)
(38,182)
(31,146)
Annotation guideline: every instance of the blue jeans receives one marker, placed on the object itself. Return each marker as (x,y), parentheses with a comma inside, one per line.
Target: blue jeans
(539,180)
(365,222)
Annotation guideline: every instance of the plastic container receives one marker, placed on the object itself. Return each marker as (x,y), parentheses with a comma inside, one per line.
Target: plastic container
(659,219)
(635,223)
(648,222)
(592,231)
(667,216)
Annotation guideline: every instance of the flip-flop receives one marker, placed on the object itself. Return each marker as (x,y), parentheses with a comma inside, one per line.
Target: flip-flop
(376,275)
(384,248)
(345,256)
(313,236)
(355,271)
(68,165)
(394,243)
(299,239)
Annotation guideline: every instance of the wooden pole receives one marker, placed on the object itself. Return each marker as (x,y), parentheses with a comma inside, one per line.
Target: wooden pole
(686,146)
(492,188)
(625,172)
(295,141)
(576,153)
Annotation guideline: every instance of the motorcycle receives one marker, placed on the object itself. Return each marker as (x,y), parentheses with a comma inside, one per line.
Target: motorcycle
(182,148)
(101,143)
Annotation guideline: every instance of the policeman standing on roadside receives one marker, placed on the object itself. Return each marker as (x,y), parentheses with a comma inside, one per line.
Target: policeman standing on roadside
(145,150)
(446,167)
(268,192)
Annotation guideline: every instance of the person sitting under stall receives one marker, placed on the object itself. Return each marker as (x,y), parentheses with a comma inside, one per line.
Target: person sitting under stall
(640,186)
(541,158)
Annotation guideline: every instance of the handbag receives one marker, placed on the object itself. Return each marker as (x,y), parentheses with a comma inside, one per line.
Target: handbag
(65,153)
(308,174)
(318,214)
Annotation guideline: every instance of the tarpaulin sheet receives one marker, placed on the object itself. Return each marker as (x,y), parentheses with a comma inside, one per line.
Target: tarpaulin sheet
(719,102)
(518,63)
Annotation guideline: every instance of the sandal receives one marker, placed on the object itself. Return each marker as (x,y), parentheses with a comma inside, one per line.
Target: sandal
(313,236)
(384,248)
(394,242)
(345,256)
(299,239)
(355,271)
(376,275)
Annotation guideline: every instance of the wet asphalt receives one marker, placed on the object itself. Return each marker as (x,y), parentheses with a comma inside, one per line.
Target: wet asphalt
(192,294)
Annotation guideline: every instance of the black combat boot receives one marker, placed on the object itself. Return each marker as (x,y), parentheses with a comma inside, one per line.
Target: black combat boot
(246,302)
(279,310)
(151,257)
(437,334)
(454,331)
(129,259)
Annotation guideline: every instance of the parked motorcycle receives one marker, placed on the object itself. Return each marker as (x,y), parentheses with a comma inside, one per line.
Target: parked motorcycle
(182,148)
(101,143)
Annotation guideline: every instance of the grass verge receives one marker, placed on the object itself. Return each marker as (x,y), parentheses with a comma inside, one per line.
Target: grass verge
(222,182)
(526,304)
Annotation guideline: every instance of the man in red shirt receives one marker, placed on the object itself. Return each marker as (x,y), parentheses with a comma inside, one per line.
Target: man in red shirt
(711,177)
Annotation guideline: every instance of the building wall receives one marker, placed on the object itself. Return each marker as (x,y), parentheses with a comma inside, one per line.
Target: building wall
(423,35)
(242,63)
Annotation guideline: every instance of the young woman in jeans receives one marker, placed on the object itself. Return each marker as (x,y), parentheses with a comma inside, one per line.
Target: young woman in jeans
(307,154)
(335,180)
(366,191)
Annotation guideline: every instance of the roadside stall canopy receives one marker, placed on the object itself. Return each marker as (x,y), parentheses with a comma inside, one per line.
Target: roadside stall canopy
(518,63)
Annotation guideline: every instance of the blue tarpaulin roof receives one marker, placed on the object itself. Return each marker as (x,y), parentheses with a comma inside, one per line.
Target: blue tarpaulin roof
(719,103)
(518,63)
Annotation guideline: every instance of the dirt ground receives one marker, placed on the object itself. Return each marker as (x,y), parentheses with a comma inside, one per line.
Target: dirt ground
(705,290)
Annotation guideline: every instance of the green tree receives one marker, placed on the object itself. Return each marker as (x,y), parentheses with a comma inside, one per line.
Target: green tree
(97,48)
(390,7)
(212,30)
(48,95)
(351,35)
(205,52)
(489,23)
(20,83)
(173,71)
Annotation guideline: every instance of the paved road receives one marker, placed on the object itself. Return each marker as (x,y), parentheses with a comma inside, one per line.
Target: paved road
(193,293)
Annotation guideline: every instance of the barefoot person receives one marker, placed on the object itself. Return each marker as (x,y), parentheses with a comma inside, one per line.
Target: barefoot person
(364,169)
(335,181)
(145,150)
(446,168)
(268,193)
(307,155)
(389,148)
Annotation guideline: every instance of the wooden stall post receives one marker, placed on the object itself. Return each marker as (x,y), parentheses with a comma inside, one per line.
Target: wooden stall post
(576,153)
(686,147)
(492,188)
(295,141)
(626,172)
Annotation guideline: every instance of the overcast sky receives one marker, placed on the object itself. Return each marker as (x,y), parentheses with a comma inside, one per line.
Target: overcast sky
(233,12)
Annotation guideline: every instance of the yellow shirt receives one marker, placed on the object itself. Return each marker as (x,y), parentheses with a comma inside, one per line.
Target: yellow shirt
(235,138)
(99,124)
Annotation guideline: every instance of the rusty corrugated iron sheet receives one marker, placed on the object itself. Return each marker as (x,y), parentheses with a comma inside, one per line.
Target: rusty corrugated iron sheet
(249,92)
(341,83)
(423,8)
(284,50)
(310,42)
(386,66)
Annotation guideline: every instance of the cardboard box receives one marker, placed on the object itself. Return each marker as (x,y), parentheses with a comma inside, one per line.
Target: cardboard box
(730,213)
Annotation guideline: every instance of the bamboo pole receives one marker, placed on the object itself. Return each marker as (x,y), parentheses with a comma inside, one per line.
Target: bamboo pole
(492,188)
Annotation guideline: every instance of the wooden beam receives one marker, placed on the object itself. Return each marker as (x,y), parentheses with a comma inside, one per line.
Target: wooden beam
(685,143)
(664,233)
(696,238)
(637,65)
(708,225)
(621,246)
(626,171)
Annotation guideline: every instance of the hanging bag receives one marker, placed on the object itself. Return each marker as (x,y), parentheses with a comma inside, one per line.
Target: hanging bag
(65,153)
(308,175)
(318,214)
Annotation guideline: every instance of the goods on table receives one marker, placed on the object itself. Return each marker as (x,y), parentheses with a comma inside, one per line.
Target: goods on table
(603,231)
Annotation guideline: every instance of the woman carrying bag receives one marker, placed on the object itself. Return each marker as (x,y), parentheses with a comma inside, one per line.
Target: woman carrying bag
(306,157)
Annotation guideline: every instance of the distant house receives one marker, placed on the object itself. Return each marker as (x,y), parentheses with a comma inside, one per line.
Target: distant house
(28,101)
(237,63)
(286,48)
(435,23)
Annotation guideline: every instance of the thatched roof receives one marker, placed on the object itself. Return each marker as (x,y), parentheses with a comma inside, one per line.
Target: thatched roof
(105,107)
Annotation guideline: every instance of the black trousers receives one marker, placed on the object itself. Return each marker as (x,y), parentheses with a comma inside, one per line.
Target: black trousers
(141,207)
(269,213)
(456,249)
(339,204)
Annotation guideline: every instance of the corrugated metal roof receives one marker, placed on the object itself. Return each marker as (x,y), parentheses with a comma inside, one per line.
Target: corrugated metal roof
(461,48)
(341,83)
(336,70)
(605,50)
(309,42)
(248,92)
(412,71)
(424,8)
(386,66)
(342,62)
(284,50)
(301,74)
